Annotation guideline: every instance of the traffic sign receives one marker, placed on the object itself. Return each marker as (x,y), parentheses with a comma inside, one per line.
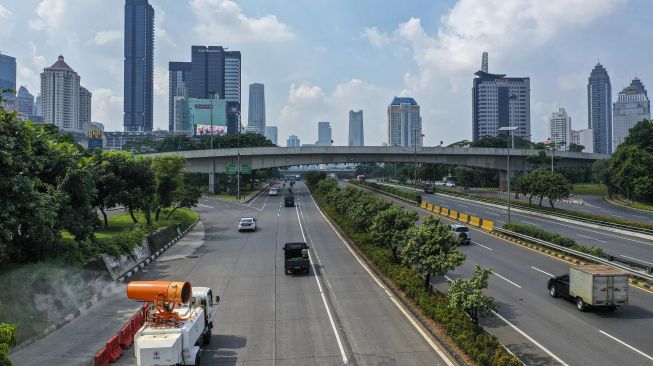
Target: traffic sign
(231,169)
(245,168)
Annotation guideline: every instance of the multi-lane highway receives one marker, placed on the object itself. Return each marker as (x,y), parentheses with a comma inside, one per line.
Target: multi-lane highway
(562,333)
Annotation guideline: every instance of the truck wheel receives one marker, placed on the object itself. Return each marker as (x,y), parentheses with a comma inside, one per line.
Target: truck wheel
(553,291)
(580,304)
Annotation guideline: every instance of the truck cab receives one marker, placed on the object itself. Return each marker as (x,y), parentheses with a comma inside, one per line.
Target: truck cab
(289,200)
(296,258)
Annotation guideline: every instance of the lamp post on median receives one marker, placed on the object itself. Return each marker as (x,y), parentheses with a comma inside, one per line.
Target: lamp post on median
(511,131)
(415,156)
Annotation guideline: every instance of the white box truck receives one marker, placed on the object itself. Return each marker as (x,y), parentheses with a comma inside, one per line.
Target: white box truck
(596,285)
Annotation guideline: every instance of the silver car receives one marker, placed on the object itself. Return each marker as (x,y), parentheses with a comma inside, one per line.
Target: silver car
(247,224)
(463,233)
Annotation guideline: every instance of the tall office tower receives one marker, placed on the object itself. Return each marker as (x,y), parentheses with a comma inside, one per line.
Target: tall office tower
(232,87)
(599,109)
(256,115)
(560,128)
(293,141)
(207,68)
(139,65)
(179,79)
(60,96)
(25,103)
(585,138)
(85,108)
(500,101)
(632,106)
(36,111)
(356,136)
(404,123)
(8,79)
(324,134)
(271,133)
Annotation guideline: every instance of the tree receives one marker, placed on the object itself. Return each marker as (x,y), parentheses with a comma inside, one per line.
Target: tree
(576,148)
(78,213)
(640,135)
(169,174)
(523,185)
(110,184)
(7,340)
(431,249)
(629,163)
(313,177)
(468,296)
(461,143)
(557,187)
(390,225)
(186,197)
(601,173)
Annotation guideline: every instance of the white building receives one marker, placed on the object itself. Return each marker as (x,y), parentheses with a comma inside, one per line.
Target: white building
(256,115)
(293,141)
(271,133)
(404,123)
(560,129)
(85,108)
(585,138)
(60,97)
(632,106)
(356,135)
(324,134)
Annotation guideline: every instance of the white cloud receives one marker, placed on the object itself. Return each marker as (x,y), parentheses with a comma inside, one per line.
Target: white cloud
(224,19)
(107,108)
(50,14)
(4,13)
(375,37)
(108,36)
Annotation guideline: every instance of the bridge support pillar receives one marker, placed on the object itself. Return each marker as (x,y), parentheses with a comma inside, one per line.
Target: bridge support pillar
(503,180)
(214,183)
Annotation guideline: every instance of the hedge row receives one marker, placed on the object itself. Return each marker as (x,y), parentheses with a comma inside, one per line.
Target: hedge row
(554,238)
(478,345)
(396,191)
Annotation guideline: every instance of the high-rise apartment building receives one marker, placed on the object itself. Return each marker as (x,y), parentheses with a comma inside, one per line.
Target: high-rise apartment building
(271,133)
(8,79)
(404,123)
(85,108)
(599,109)
(139,65)
(560,129)
(60,97)
(356,136)
(632,106)
(324,134)
(25,104)
(256,115)
(500,101)
(584,138)
(179,80)
(292,141)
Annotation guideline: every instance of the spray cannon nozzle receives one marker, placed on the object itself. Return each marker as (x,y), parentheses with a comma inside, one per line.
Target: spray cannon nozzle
(164,291)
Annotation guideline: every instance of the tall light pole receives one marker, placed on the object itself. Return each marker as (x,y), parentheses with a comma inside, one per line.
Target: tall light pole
(415,156)
(511,130)
(554,137)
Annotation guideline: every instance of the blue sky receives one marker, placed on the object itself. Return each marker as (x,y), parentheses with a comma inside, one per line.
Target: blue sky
(318,59)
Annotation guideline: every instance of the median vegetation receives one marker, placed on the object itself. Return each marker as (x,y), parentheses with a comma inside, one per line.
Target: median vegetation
(409,255)
(416,197)
(563,241)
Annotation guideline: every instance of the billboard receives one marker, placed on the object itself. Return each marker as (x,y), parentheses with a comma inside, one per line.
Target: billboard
(207,130)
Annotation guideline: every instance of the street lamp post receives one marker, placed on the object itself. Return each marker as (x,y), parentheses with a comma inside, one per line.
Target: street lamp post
(415,156)
(555,136)
(511,130)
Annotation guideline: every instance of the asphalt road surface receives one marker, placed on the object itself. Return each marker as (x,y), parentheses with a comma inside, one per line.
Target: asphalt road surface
(564,335)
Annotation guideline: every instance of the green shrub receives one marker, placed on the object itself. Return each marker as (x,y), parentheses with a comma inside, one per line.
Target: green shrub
(396,191)
(554,238)
(477,344)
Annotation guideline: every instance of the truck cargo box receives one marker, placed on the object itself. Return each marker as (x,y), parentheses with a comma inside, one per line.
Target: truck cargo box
(599,285)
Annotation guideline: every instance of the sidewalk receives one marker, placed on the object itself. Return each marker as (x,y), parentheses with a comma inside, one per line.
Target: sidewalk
(77,342)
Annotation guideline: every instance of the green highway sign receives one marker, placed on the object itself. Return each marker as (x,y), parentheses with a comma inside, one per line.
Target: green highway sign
(245,168)
(231,169)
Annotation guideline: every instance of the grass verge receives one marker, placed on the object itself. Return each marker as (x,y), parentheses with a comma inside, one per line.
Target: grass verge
(396,191)
(590,189)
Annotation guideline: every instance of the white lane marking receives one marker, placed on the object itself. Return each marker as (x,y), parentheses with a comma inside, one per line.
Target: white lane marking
(546,273)
(530,338)
(203,205)
(264,203)
(492,213)
(530,223)
(465,206)
(319,286)
(627,345)
(636,259)
(401,308)
(505,279)
(488,248)
(589,237)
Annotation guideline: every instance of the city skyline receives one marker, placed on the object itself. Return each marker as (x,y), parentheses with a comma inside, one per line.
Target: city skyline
(399,42)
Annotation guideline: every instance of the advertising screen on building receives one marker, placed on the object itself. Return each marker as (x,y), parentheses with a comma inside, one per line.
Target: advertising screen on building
(207,130)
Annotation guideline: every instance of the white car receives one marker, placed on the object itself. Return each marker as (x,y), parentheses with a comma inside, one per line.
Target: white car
(450,184)
(247,224)
(463,234)
(274,191)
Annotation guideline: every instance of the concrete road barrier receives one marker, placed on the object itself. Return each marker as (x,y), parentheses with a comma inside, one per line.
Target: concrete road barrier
(453,214)
(487,225)
(475,221)
(463,217)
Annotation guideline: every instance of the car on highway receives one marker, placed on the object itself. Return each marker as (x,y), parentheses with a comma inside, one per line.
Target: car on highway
(450,184)
(428,188)
(247,224)
(595,285)
(274,191)
(296,257)
(289,200)
(462,233)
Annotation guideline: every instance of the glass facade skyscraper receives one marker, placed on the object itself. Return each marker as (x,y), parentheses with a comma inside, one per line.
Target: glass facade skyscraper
(256,115)
(599,109)
(404,123)
(8,76)
(139,65)
(179,80)
(632,106)
(356,136)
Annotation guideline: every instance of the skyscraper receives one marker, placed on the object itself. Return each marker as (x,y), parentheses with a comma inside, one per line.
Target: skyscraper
(8,77)
(404,123)
(632,106)
(356,136)
(584,138)
(500,101)
(25,103)
(84,108)
(324,134)
(179,80)
(599,109)
(560,128)
(292,141)
(60,96)
(139,65)
(256,115)
(271,133)
(232,77)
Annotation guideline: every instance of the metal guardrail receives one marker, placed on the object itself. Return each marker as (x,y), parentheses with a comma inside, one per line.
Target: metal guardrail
(609,259)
